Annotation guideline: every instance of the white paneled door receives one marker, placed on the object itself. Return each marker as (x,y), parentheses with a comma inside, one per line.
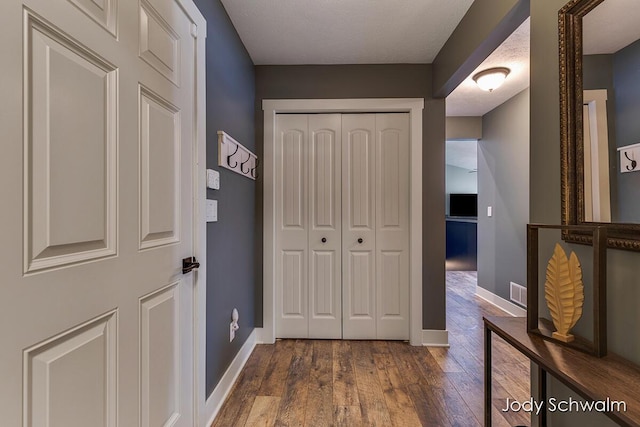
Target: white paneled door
(309,244)
(342,218)
(98,127)
(359,230)
(392,226)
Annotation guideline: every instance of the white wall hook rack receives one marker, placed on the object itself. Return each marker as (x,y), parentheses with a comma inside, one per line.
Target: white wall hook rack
(629,158)
(236,157)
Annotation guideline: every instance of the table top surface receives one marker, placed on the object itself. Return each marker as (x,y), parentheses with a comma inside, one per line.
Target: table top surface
(598,379)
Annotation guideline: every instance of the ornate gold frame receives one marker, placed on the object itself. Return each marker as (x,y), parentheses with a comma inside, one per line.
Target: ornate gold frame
(620,236)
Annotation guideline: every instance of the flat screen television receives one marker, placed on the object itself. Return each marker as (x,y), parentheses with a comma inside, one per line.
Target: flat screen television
(465,205)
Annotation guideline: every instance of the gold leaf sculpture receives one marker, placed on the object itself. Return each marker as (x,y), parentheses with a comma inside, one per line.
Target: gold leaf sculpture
(564,292)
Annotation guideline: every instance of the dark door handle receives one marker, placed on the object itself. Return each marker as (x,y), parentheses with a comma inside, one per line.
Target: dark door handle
(189,264)
(360,240)
(324,240)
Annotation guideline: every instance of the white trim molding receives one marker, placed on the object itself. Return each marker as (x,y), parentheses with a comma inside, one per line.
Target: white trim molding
(260,336)
(500,302)
(414,107)
(222,390)
(199,32)
(435,338)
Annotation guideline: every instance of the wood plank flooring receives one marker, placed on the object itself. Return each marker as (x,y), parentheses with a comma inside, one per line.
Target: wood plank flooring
(382,383)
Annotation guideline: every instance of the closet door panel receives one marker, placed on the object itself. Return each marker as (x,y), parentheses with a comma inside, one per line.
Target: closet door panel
(292,212)
(358,226)
(325,279)
(392,227)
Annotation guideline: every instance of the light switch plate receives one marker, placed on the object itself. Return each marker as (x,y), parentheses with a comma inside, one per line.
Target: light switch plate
(213,179)
(212,210)
(489,211)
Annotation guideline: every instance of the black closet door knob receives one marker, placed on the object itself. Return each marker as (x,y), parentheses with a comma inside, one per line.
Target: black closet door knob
(360,240)
(324,240)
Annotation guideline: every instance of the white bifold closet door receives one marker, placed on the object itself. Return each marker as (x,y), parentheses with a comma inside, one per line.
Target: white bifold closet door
(375,232)
(308,247)
(342,198)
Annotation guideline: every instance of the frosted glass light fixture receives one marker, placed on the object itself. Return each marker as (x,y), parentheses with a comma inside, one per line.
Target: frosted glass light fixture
(491,78)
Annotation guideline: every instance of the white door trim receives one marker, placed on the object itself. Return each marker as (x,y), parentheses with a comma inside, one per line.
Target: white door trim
(414,107)
(199,32)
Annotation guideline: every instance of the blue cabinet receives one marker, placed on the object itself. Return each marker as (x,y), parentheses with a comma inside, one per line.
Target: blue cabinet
(462,244)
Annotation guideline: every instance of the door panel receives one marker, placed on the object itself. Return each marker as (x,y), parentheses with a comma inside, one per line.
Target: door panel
(159,170)
(71,97)
(293,286)
(160,357)
(98,157)
(159,43)
(104,12)
(392,230)
(292,253)
(293,173)
(325,281)
(76,369)
(358,226)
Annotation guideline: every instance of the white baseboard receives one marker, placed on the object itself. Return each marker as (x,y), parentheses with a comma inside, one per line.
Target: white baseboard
(435,338)
(220,393)
(500,302)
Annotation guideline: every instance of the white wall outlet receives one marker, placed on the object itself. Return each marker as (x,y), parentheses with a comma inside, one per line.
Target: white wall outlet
(489,211)
(212,210)
(213,179)
(234,326)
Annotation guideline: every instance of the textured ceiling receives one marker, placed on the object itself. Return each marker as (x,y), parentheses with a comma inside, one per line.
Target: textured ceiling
(463,154)
(469,100)
(344,32)
(612,25)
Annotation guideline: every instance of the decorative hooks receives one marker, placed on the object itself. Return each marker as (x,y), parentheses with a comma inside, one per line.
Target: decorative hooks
(633,164)
(629,155)
(244,163)
(254,172)
(231,155)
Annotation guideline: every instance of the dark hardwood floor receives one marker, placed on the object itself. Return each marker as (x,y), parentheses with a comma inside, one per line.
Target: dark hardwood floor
(382,383)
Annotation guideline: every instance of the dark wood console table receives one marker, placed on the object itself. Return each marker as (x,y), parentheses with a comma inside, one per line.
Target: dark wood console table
(593,378)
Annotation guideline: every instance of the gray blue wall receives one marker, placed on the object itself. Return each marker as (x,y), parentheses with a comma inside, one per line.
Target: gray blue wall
(503,184)
(377,81)
(618,74)
(626,63)
(230,241)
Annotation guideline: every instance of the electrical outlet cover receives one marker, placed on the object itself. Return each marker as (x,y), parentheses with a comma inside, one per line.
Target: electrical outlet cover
(213,179)
(212,210)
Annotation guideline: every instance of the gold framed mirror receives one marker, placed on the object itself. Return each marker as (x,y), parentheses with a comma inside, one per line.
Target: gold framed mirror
(599,61)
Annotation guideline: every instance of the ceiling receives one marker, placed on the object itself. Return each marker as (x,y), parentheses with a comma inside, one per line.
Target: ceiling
(288,32)
(609,27)
(295,32)
(469,100)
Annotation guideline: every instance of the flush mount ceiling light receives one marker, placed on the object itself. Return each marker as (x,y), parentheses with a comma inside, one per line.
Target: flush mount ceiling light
(492,78)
